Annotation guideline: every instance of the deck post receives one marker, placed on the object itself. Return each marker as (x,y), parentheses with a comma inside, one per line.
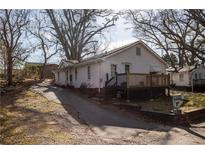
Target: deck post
(151,95)
(116,78)
(128,88)
(107,77)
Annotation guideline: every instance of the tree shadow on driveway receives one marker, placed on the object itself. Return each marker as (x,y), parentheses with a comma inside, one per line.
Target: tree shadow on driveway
(97,117)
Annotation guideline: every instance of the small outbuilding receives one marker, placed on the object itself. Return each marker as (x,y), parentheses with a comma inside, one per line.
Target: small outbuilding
(188,77)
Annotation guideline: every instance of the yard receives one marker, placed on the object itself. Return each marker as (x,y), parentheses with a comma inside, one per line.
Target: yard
(29,118)
(28,113)
(163,104)
(194,100)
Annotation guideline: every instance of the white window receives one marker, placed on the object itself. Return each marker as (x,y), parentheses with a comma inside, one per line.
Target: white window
(138,51)
(181,77)
(113,70)
(127,68)
(89,74)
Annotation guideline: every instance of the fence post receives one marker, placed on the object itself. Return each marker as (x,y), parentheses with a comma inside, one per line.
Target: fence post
(168,82)
(192,85)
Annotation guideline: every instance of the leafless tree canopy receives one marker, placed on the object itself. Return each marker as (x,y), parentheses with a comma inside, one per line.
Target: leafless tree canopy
(40,31)
(12,28)
(173,31)
(78,30)
(77,33)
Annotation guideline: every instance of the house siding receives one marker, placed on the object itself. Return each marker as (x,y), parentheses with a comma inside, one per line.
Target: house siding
(62,78)
(138,64)
(82,76)
(200,70)
(175,79)
(188,76)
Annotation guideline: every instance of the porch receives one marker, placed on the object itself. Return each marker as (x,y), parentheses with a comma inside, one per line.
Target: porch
(137,85)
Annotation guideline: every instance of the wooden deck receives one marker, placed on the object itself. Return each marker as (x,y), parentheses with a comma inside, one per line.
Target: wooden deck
(138,85)
(131,80)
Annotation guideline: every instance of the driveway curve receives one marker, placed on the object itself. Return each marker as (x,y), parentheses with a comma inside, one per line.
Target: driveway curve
(109,124)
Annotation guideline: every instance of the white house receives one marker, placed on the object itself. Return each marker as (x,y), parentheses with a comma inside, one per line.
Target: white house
(136,57)
(188,75)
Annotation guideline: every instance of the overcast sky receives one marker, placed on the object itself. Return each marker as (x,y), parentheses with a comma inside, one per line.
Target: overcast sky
(118,35)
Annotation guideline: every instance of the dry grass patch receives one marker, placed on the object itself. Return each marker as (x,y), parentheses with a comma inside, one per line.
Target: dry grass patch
(29,118)
(194,101)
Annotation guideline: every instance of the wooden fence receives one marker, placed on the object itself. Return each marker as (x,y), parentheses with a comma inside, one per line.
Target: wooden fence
(199,82)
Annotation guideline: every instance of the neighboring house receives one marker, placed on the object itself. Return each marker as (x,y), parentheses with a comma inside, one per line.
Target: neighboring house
(188,75)
(32,70)
(136,57)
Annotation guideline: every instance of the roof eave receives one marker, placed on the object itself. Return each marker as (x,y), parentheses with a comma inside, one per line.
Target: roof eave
(93,61)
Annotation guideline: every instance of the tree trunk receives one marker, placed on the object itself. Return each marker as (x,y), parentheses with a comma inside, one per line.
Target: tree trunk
(42,70)
(9,69)
(5,70)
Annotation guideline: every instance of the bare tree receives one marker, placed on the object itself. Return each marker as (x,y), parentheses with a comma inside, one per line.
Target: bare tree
(174,59)
(13,23)
(171,31)
(43,39)
(187,33)
(148,27)
(3,59)
(197,15)
(78,31)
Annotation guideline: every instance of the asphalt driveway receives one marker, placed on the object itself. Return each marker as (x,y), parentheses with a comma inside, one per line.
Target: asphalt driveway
(108,124)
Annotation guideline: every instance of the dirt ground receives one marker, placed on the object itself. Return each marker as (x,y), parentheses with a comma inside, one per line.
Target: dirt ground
(29,118)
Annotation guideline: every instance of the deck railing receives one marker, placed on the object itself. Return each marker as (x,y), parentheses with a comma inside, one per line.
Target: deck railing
(130,80)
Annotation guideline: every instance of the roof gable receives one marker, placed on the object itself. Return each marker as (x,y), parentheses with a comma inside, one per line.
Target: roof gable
(124,48)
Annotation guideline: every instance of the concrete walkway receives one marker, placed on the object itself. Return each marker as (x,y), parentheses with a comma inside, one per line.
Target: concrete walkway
(109,124)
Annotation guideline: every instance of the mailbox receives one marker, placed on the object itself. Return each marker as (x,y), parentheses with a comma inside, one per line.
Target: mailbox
(177,101)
